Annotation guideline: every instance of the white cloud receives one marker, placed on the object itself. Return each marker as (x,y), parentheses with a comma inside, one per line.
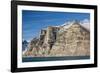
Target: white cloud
(86,23)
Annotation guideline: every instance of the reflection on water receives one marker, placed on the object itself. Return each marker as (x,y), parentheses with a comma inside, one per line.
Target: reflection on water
(39,59)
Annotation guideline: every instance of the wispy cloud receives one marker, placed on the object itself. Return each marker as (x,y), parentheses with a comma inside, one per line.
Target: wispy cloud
(86,23)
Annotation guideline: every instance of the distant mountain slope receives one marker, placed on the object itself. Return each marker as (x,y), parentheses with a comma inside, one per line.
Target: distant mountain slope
(24,45)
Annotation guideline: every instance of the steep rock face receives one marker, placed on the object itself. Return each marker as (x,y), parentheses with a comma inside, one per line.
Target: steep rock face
(66,40)
(32,48)
(73,41)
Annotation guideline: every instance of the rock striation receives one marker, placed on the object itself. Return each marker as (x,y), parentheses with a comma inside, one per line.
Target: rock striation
(67,40)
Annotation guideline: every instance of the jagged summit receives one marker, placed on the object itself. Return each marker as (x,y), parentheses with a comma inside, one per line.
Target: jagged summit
(68,24)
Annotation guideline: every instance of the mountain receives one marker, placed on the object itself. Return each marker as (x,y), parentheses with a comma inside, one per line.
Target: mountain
(69,39)
(72,40)
(24,45)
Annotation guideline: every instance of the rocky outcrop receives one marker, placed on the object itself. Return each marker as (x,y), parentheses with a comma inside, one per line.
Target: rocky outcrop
(73,41)
(67,40)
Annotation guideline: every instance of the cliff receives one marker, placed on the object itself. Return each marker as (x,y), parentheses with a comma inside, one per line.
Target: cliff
(67,40)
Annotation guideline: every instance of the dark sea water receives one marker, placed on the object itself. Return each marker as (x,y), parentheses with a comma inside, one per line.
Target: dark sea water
(39,59)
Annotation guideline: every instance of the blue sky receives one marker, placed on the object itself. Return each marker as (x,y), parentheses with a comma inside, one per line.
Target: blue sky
(34,21)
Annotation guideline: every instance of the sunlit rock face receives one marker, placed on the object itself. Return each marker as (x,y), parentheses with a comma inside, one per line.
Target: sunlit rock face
(67,40)
(73,41)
